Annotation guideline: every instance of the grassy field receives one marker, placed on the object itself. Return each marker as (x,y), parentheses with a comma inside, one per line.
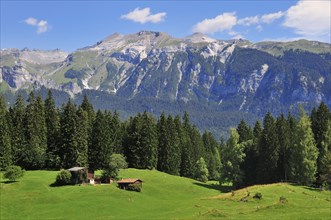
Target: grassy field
(163,197)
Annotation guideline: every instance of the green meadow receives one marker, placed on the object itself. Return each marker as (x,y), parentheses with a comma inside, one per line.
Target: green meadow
(163,196)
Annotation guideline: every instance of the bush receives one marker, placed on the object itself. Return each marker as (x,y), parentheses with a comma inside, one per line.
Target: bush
(134,187)
(13,173)
(257,195)
(282,199)
(63,178)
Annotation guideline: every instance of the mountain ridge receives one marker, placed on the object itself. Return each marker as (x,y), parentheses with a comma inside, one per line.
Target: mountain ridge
(231,75)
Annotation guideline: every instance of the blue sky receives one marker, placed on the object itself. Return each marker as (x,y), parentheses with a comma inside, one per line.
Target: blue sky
(69,25)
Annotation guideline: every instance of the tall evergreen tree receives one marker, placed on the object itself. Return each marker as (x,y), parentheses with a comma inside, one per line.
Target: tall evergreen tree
(319,121)
(325,160)
(268,152)
(101,146)
(283,132)
(82,137)
(244,131)
(304,153)
(232,156)
(169,149)
(133,145)
(17,114)
(35,132)
(6,155)
(68,136)
(149,142)
(52,120)
(187,157)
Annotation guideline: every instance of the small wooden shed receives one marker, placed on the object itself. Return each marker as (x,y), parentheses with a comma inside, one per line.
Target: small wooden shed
(124,183)
(78,175)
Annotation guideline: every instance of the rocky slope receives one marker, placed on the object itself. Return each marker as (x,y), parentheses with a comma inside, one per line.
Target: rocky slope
(233,75)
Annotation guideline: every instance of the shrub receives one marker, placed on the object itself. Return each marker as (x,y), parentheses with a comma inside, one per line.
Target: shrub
(282,199)
(257,195)
(134,187)
(63,178)
(13,173)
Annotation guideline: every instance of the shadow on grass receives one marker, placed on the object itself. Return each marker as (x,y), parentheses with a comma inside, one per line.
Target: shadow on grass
(311,188)
(220,188)
(8,181)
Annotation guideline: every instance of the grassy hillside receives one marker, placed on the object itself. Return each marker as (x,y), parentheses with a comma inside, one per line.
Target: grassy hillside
(163,197)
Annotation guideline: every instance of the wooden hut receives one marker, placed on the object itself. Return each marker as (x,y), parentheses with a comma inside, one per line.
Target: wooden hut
(78,175)
(127,183)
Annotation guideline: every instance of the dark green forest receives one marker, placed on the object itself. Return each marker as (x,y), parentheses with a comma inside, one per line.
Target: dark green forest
(35,134)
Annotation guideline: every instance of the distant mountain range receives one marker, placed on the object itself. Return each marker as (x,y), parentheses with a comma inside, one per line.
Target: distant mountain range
(217,81)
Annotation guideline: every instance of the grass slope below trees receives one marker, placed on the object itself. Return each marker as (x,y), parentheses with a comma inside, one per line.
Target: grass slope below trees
(163,197)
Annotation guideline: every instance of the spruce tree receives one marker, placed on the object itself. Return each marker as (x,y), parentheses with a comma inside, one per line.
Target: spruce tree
(187,157)
(82,137)
(133,145)
(319,121)
(149,142)
(268,152)
(17,131)
(325,160)
(304,153)
(283,132)
(52,120)
(35,132)
(244,131)
(101,145)
(68,136)
(6,155)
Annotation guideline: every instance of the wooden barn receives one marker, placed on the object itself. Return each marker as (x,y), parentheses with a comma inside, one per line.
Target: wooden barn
(126,183)
(78,175)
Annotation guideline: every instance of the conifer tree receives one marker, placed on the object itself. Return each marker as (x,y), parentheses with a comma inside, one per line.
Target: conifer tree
(82,137)
(149,142)
(68,136)
(283,132)
(244,131)
(304,153)
(118,130)
(101,146)
(35,131)
(268,152)
(187,159)
(325,160)
(52,120)
(6,155)
(17,114)
(319,121)
(133,146)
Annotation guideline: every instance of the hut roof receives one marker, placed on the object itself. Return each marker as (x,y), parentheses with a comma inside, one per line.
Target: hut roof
(129,180)
(76,169)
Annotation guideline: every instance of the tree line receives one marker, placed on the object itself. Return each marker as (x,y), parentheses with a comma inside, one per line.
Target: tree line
(38,135)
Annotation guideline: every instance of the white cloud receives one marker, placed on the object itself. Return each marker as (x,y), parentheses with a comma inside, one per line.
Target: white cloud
(42,25)
(31,21)
(269,18)
(248,21)
(144,15)
(259,28)
(310,19)
(236,35)
(220,23)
